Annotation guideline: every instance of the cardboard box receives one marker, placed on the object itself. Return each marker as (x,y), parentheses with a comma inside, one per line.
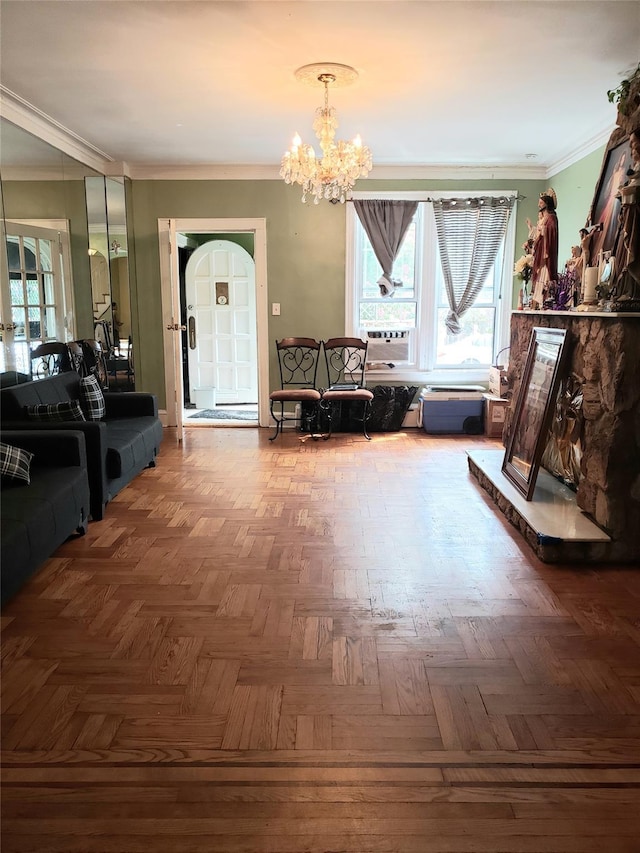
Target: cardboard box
(495,410)
(498,385)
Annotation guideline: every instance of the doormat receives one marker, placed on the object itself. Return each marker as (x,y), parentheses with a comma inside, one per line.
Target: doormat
(226,415)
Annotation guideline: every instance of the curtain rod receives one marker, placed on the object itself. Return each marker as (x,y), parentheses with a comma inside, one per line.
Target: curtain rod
(518,197)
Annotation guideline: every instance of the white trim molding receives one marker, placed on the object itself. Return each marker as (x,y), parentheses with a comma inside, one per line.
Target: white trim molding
(15,109)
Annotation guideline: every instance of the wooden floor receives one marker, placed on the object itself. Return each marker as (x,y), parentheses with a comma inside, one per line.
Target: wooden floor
(332,646)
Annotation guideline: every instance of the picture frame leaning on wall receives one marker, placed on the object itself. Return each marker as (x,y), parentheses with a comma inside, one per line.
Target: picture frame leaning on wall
(543,370)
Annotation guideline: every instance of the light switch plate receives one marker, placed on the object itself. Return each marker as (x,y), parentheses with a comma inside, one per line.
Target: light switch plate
(275,309)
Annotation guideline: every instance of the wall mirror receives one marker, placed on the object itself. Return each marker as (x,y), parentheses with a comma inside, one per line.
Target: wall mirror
(44,264)
(534,408)
(47,245)
(110,259)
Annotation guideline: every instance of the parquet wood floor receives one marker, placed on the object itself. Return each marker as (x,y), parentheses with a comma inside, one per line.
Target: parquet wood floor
(312,647)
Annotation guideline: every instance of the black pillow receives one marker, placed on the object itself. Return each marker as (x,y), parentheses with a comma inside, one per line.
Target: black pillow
(69,410)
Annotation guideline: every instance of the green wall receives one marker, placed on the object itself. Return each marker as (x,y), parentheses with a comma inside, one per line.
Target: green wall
(305,257)
(305,251)
(305,243)
(575,188)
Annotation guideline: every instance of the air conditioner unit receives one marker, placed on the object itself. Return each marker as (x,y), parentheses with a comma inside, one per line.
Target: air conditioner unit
(388,346)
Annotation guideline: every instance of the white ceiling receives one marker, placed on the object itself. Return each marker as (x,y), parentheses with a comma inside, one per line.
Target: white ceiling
(158,85)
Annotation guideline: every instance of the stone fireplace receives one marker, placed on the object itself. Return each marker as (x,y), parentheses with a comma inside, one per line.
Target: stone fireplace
(604,357)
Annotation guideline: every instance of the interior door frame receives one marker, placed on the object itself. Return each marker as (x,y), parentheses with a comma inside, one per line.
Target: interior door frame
(167,231)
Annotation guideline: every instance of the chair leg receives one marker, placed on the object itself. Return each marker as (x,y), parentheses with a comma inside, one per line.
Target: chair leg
(277,420)
(311,422)
(365,418)
(327,412)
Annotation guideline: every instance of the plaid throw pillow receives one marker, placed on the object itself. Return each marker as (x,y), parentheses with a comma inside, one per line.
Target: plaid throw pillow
(15,463)
(55,412)
(92,398)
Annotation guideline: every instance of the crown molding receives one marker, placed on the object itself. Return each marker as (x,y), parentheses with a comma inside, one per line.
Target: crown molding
(23,114)
(204,172)
(452,171)
(144,172)
(584,150)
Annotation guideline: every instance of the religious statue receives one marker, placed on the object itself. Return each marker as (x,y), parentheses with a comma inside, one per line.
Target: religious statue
(545,248)
(574,265)
(626,286)
(585,246)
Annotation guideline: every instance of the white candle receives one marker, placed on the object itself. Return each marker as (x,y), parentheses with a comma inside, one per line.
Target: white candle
(590,283)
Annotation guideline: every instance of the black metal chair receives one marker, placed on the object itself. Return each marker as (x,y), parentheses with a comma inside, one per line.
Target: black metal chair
(298,362)
(102,334)
(50,358)
(346,360)
(76,357)
(120,368)
(95,361)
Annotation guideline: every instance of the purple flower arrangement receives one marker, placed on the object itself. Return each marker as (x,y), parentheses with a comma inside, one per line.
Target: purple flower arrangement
(561,293)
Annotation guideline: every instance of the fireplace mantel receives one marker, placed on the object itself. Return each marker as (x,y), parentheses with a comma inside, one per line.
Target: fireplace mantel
(602,314)
(604,356)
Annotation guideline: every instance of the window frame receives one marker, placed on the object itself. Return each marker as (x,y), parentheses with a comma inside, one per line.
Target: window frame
(424,368)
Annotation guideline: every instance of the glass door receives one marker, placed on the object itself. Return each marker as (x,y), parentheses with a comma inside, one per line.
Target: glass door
(33,303)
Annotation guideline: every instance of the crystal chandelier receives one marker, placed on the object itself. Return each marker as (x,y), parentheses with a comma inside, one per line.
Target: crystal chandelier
(333,175)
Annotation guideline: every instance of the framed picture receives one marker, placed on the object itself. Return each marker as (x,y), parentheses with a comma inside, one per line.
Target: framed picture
(605,207)
(534,408)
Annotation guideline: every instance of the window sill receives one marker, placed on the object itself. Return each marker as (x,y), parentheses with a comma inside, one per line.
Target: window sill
(405,375)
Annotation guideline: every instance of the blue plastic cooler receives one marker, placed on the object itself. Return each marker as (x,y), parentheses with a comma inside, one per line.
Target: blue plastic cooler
(452,411)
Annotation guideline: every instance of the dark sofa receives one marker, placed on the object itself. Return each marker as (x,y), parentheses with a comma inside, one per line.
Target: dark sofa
(119,446)
(36,518)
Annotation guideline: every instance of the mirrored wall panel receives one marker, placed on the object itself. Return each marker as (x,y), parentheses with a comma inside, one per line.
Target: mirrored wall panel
(109,257)
(65,256)
(44,265)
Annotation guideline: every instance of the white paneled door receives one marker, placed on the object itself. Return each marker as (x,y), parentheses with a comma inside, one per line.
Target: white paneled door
(221,323)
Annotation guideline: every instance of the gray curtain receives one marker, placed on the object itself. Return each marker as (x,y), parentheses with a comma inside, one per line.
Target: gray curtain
(470,232)
(386,223)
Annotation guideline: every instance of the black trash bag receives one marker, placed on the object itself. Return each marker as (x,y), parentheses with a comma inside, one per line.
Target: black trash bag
(389,406)
(387,411)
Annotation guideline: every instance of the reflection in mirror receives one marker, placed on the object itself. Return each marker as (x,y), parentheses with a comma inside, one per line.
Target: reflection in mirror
(110,274)
(44,272)
(96,199)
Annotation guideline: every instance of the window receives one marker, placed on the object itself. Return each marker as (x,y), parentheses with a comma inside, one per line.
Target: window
(420,306)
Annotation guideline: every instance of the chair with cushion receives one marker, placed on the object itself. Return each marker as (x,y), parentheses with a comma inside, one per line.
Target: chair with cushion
(298,363)
(345,359)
